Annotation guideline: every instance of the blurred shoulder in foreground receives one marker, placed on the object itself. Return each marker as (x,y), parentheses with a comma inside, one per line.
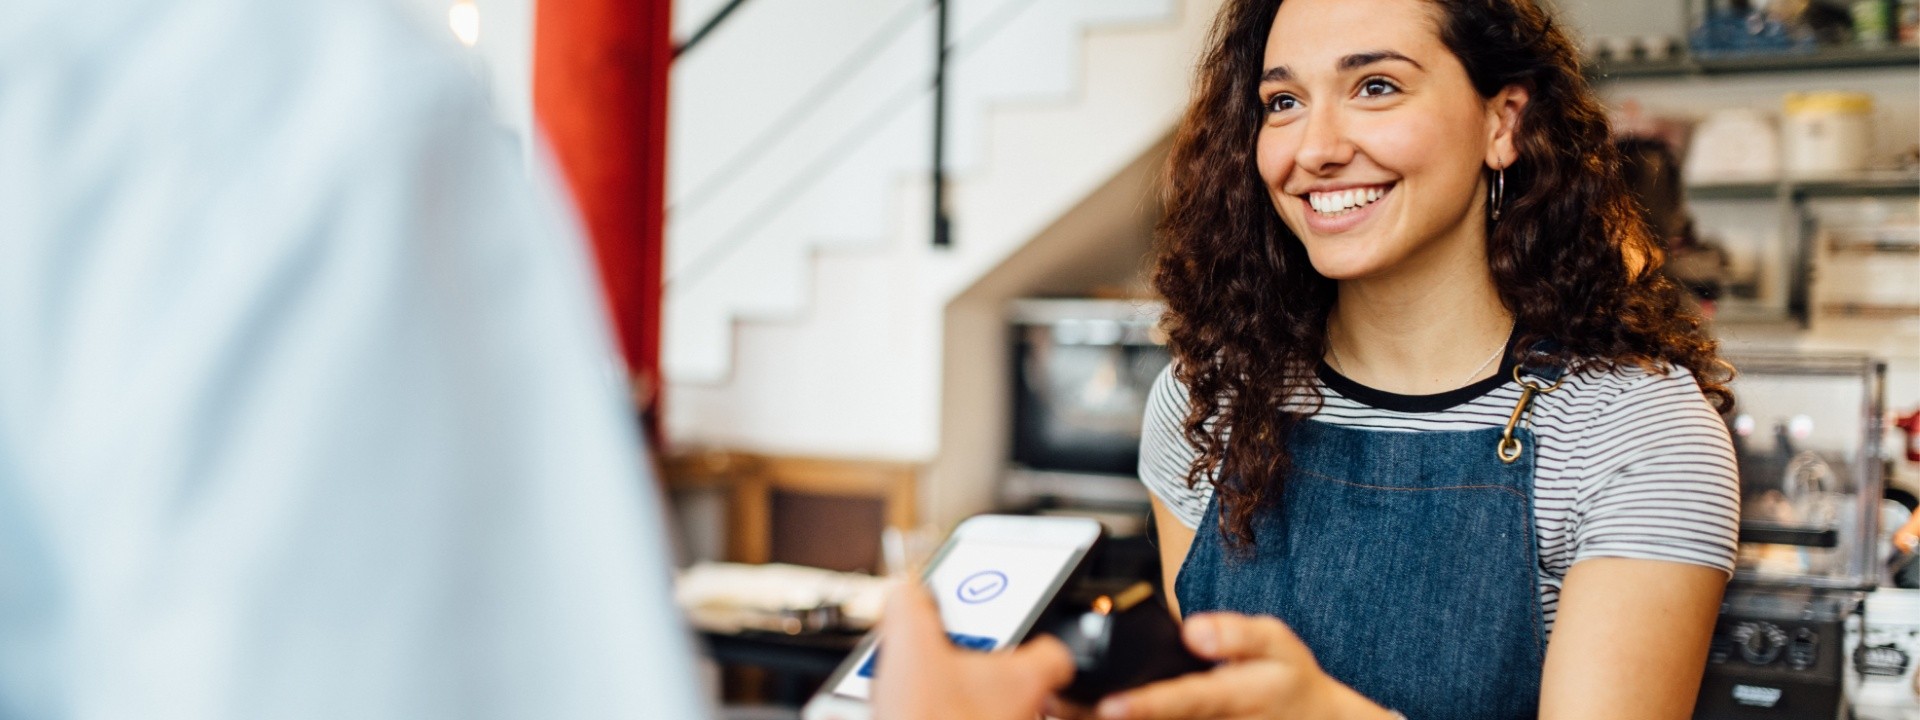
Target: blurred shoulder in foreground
(307,405)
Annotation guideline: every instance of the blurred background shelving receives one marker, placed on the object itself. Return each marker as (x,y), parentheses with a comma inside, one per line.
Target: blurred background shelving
(1890,184)
(1759,62)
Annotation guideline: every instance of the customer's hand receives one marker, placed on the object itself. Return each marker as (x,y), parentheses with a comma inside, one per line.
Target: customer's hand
(1266,672)
(922,676)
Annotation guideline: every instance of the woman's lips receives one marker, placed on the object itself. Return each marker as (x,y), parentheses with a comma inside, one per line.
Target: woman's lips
(1322,223)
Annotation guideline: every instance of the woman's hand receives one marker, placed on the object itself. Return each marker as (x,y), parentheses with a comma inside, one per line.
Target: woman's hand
(1266,672)
(922,676)
(1907,538)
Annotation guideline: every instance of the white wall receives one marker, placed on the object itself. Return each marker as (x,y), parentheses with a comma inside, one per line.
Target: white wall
(1630,18)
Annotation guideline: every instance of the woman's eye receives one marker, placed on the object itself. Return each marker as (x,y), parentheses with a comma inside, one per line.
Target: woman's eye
(1282,102)
(1377,86)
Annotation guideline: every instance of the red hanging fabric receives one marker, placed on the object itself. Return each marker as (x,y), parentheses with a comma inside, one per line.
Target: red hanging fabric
(600,93)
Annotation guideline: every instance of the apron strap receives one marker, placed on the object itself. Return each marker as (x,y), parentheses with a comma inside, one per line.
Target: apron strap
(1537,372)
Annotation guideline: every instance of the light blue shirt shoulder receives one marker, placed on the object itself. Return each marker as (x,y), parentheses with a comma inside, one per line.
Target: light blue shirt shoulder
(307,404)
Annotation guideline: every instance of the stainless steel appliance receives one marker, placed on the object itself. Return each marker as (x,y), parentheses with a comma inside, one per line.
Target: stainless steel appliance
(1807,435)
(1082,370)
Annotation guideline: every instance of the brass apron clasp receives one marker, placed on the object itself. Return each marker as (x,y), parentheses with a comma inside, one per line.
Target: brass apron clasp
(1509,448)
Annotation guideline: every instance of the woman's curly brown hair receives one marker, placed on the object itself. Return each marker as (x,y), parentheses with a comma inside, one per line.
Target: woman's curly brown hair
(1246,316)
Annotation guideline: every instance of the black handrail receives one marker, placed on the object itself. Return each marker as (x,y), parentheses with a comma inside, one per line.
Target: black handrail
(859,59)
(707,27)
(832,155)
(942,223)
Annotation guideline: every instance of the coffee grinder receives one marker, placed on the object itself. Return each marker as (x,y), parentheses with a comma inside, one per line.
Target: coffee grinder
(1806,431)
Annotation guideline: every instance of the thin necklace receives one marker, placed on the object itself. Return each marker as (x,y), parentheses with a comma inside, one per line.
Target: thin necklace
(1341,365)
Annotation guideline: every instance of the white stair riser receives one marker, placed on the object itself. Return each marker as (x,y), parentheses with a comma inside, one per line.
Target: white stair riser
(830,180)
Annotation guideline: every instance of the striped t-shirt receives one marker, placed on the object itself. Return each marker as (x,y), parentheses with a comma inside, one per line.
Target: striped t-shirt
(1629,463)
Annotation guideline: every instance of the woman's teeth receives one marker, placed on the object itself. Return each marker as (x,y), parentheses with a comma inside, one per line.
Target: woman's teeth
(1341,201)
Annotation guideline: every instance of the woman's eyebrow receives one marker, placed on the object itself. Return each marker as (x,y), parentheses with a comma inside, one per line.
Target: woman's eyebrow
(1358,60)
(1282,73)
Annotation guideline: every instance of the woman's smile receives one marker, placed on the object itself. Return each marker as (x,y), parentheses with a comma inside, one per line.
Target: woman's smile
(1337,208)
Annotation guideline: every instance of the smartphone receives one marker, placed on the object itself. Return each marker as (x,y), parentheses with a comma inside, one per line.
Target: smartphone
(993,579)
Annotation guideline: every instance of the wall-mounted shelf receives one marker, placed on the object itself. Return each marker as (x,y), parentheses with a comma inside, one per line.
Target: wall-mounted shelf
(1870,247)
(1790,198)
(1735,314)
(1874,311)
(1872,185)
(1752,63)
(1888,185)
(1734,191)
(1788,300)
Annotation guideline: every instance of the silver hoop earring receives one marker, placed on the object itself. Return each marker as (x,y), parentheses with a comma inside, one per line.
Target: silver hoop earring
(1499,191)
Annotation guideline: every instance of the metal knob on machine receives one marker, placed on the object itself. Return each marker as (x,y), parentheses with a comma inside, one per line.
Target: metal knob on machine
(1759,643)
(1805,650)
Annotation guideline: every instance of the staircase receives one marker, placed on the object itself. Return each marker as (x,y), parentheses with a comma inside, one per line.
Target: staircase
(804,296)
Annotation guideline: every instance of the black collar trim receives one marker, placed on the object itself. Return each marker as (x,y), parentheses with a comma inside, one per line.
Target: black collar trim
(1438,402)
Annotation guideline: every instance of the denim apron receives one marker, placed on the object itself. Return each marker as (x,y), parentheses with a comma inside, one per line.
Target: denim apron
(1406,561)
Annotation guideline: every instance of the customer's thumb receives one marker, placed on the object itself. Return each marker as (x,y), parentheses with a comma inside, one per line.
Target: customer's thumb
(1046,660)
(910,611)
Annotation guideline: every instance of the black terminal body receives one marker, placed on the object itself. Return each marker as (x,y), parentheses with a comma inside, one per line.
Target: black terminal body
(1120,638)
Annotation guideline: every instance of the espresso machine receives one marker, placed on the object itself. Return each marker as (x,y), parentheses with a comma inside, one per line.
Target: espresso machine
(1806,431)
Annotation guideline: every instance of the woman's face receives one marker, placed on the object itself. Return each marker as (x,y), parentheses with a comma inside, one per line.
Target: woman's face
(1374,140)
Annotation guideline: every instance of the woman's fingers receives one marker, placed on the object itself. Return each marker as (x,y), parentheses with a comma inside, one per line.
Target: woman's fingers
(1226,691)
(1056,707)
(1265,663)
(1232,636)
(1908,537)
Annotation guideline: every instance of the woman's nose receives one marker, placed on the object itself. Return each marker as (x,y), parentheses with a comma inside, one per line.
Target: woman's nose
(1325,144)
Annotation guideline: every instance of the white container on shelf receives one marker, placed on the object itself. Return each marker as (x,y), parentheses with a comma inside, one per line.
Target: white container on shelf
(1828,134)
(1880,679)
(1867,251)
(1735,145)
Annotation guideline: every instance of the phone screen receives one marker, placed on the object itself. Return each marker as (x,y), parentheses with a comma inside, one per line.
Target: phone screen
(988,592)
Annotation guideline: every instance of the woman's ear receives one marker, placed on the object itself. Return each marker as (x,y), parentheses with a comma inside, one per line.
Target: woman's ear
(1503,125)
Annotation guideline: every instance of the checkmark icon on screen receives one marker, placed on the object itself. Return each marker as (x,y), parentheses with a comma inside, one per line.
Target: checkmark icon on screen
(983,590)
(982,586)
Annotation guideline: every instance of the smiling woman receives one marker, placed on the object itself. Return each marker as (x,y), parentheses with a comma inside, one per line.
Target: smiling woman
(1352,124)
(1436,437)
